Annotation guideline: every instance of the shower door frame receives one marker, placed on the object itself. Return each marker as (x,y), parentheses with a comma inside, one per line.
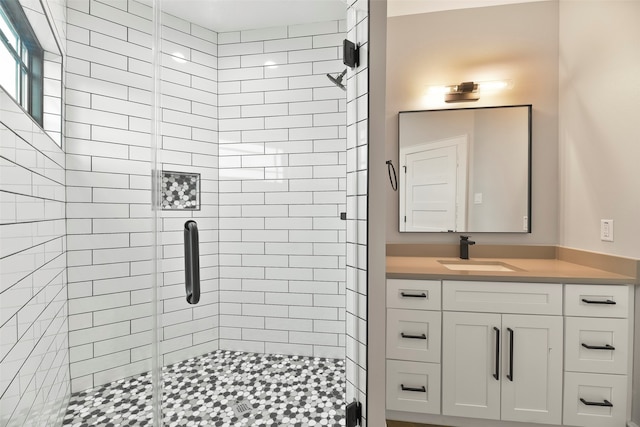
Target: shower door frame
(156,182)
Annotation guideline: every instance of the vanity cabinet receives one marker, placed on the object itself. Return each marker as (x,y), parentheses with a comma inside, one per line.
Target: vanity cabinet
(502,366)
(413,345)
(597,359)
(534,353)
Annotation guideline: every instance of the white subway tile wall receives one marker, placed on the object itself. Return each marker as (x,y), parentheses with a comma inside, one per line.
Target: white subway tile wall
(282,187)
(357,161)
(34,346)
(108,125)
(34,354)
(271,147)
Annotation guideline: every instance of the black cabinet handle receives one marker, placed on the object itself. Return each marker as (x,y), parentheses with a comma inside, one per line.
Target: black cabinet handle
(605,403)
(420,390)
(510,374)
(590,301)
(413,337)
(496,372)
(191,262)
(598,347)
(422,295)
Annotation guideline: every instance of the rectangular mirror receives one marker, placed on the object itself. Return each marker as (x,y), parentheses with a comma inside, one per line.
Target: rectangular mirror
(465,170)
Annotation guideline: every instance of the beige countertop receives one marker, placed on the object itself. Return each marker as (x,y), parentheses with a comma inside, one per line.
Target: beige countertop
(527,270)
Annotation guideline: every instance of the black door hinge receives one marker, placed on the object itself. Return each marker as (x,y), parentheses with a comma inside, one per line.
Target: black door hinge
(354,414)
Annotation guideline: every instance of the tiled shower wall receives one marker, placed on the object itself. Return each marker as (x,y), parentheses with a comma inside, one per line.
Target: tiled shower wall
(282,187)
(34,355)
(109,83)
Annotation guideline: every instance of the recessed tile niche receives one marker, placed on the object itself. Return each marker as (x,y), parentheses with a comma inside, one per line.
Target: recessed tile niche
(180,190)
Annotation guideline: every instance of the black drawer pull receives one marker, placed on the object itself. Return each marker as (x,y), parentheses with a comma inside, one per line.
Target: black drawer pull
(598,347)
(419,390)
(413,337)
(590,301)
(422,295)
(605,403)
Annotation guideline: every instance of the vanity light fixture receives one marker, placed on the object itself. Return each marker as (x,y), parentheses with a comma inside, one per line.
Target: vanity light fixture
(468,91)
(463,92)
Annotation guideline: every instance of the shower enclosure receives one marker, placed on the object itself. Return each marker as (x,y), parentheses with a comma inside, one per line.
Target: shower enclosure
(189,245)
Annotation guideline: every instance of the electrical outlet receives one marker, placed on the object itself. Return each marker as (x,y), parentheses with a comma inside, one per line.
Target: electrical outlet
(606,230)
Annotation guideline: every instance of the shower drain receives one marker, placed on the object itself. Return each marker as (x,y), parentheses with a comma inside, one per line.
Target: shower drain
(241,409)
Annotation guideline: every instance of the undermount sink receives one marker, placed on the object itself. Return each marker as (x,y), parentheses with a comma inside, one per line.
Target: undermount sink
(477,266)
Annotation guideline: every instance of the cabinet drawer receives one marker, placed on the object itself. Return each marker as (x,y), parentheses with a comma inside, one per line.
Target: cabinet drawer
(597,300)
(502,297)
(413,294)
(595,389)
(596,345)
(413,387)
(413,335)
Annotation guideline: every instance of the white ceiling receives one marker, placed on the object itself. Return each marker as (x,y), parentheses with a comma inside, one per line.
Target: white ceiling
(233,15)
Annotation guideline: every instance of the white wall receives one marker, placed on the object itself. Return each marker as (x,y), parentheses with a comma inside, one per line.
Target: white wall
(517,42)
(599,144)
(34,355)
(282,188)
(108,107)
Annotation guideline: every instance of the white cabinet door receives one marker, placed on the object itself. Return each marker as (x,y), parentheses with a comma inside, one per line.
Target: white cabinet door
(469,359)
(532,369)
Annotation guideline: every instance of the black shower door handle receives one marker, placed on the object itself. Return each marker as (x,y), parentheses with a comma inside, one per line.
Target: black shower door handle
(191,262)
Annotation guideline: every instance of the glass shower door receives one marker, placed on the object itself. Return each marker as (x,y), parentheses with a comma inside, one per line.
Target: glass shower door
(185,169)
(250,151)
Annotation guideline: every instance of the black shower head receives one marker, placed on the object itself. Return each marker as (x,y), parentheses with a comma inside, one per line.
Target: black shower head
(338,80)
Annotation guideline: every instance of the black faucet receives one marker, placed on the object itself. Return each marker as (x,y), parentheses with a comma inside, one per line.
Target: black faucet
(464,246)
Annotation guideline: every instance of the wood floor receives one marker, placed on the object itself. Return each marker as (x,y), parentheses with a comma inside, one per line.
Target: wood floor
(403,424)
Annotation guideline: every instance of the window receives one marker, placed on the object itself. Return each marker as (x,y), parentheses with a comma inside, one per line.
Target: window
(21,59)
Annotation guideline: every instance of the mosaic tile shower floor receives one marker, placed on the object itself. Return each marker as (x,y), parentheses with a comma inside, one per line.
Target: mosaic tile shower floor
(223,388)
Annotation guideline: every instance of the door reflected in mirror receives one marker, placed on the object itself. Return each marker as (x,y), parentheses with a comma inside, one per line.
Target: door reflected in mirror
(465,170)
